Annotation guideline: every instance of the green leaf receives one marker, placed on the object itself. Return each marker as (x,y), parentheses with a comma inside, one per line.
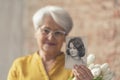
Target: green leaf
(70,78)
(98,78)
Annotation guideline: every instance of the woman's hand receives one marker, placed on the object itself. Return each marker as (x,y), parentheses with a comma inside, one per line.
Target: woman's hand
(81,72)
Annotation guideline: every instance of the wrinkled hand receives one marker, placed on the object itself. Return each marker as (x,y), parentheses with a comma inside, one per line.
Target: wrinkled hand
(81,72)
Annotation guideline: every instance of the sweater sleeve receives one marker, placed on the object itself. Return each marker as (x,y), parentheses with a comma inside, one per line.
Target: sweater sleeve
(13,73)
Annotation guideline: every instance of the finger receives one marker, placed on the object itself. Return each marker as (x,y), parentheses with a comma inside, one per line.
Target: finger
(88,72)
(80,70)
(77,75)
(85,75)
(82,75)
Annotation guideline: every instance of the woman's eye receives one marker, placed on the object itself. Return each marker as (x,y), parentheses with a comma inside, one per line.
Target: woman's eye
(58,33)
(46,31)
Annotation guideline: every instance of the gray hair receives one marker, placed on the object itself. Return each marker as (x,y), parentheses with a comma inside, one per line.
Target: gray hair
(59,15)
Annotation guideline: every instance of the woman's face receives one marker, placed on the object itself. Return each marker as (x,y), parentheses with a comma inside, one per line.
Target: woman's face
(73,51)
(50,36)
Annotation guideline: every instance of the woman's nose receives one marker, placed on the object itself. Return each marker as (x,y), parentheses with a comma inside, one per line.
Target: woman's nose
(50,36)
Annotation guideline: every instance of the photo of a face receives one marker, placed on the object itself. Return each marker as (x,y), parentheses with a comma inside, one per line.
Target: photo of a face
(75,52)
(75,48)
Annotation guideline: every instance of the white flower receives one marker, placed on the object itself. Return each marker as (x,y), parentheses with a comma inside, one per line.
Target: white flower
(104,67)
(97,65)
(90,59)
(100,72)
(91,66)
(96,72)
(108,76)
(107,71)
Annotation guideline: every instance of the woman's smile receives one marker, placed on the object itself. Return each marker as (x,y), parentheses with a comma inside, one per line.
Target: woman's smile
(52,44)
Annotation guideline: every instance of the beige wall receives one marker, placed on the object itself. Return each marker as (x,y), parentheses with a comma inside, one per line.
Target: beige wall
(98,20)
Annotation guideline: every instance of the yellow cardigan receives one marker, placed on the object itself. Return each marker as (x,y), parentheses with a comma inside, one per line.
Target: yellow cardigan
(31,68)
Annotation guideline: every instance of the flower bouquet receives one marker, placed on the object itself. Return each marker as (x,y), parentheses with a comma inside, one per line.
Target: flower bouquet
(100,72)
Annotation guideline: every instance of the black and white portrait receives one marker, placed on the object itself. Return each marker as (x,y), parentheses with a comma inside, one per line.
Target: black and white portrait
(75,52)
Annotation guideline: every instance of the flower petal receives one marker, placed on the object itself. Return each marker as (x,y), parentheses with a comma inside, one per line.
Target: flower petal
(90,59)
(104,67)
(96,72)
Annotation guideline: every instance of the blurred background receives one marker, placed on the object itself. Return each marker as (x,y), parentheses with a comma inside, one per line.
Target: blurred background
(97,20)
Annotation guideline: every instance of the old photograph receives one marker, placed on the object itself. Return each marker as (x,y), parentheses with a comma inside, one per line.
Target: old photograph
(75,52)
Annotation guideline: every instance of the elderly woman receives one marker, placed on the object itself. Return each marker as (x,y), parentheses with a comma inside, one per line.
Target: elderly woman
(52,25)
